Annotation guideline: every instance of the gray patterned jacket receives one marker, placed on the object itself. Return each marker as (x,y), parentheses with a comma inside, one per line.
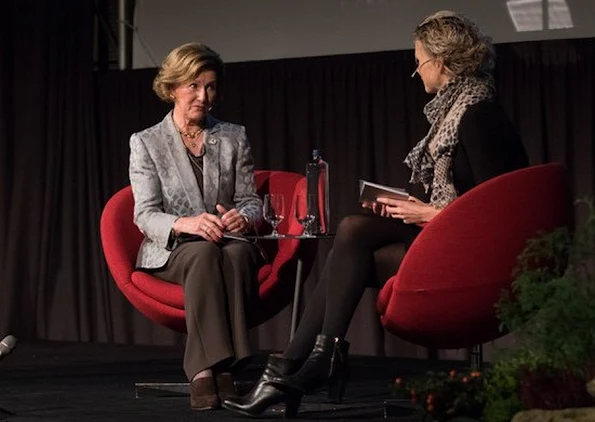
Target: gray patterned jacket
(165,188)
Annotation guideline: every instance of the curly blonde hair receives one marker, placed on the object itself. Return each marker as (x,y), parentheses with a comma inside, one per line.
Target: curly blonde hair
(183,64)
(458,42)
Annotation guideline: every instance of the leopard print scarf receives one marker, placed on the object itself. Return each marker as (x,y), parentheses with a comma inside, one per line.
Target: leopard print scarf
(431,159)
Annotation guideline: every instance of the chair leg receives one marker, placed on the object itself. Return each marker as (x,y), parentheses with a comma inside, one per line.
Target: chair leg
(297,294)
(432,354)
(475,355)
(174,389)
(160,389)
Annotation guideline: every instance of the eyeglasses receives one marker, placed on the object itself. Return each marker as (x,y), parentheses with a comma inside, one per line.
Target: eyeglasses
(419,66)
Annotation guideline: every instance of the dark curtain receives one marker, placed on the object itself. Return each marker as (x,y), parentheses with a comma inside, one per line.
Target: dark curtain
(548,90)
(53,277)
(64,151)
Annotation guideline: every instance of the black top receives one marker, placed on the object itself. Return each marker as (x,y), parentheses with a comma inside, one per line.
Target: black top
(197,164)
(489,145)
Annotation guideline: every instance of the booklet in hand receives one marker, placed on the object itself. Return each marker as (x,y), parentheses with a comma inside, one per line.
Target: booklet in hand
(185,237)
(369,192)
(231,236)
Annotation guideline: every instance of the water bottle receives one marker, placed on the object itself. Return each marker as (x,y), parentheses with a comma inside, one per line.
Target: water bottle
(317,183)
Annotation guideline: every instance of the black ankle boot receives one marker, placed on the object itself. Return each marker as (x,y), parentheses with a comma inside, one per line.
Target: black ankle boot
(264,394)
(326,365)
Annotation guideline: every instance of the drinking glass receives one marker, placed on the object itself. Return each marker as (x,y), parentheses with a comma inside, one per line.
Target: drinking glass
(305,212)
(273,210)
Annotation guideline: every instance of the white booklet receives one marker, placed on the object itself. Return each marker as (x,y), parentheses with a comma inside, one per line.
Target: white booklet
(369,192)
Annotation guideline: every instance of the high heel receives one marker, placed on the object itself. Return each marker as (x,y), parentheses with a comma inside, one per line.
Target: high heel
(337,386)
(225,386)
(338,383)
(264,395)
(203,394)
(292,405)
(327,364)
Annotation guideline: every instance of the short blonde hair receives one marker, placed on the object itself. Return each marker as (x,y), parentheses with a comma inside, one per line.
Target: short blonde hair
(183,64)
(458,41)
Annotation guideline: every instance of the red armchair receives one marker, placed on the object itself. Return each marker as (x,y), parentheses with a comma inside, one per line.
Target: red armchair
(444,292)
(163,302)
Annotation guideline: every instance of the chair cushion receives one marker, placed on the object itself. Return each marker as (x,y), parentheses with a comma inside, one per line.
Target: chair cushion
(162,291)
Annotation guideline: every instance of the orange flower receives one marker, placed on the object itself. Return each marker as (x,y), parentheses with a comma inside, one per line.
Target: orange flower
(465,379)
(430,408)
(452,373)
(475,374)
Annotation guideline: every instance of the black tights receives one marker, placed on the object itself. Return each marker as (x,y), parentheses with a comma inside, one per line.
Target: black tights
(345,276)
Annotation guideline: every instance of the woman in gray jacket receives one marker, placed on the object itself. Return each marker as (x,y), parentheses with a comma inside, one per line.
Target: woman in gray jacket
(193,185)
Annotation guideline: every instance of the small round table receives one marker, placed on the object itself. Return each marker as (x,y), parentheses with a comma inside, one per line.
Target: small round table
(297,289)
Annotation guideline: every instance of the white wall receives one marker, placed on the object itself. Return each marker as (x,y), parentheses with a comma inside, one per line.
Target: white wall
(246,30)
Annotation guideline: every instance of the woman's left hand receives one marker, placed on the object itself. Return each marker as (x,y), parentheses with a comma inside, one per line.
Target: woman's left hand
(411,210)
(376,208)
(234,221)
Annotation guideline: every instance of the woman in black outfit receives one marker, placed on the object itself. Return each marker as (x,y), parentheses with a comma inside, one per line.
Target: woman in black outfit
(470,141)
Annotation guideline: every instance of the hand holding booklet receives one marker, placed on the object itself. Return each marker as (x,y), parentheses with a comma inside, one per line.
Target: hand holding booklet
(370,192)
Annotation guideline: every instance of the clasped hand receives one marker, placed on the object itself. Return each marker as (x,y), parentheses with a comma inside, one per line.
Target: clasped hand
(411,210)
(212,227)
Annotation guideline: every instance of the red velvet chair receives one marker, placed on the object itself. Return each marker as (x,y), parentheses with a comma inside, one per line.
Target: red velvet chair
(163,302)
(444,292)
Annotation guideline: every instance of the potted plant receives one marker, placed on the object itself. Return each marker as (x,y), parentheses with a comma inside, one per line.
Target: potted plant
(551,311)
(441,396)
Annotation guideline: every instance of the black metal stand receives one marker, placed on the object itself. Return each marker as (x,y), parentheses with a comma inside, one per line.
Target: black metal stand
(397,408)
(475,355)
(177,389)
(160,389)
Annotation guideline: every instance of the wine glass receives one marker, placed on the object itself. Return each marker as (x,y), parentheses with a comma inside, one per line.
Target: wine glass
(273,210)
(305,212)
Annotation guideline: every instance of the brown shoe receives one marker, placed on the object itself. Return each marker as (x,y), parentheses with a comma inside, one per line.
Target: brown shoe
(203,394)
(225,386)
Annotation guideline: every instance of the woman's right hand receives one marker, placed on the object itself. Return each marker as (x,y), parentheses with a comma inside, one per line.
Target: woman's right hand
(206,225)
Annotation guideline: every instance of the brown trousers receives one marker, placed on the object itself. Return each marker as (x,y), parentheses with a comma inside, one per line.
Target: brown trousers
(219,281)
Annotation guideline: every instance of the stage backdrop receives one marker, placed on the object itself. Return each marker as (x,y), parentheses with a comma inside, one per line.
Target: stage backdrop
(64,151)
(277,29)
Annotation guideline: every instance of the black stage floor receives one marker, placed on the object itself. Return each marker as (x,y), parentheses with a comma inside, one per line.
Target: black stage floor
(56,381)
